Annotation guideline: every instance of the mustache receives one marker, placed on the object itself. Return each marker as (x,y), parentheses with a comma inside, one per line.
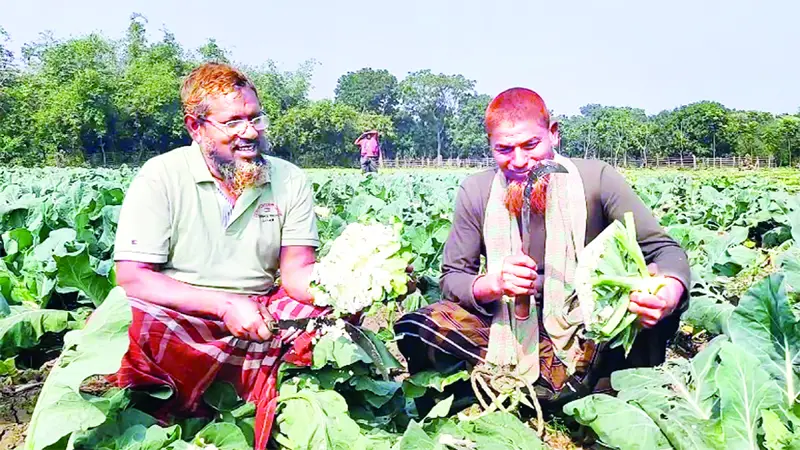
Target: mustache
(238,143)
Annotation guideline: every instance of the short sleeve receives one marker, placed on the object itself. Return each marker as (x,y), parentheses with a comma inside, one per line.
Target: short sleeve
(300,224)
(143,229)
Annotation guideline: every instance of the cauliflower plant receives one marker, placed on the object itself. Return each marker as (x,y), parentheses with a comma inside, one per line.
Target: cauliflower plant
(366,264)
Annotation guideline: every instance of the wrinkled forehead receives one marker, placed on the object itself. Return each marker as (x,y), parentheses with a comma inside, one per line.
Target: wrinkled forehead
(511,133)
(239,101)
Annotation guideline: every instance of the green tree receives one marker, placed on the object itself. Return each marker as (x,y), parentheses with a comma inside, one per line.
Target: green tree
(148,96)
(429,101)
(468,128)
(782,138)
(281,90)
(619,130)
(322,133)
(77,112)
(135,39)
(368,90)
(7,69)
(698,128)
(746,132)
(212,52)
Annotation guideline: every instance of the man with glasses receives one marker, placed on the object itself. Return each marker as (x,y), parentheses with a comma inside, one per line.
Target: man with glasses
(203,233)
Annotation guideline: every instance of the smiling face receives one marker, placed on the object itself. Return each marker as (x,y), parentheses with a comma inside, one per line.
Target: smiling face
(235,156)
(518,146)
(521,136)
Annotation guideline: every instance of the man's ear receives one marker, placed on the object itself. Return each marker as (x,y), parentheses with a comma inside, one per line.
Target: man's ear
(192,126)
(555,137)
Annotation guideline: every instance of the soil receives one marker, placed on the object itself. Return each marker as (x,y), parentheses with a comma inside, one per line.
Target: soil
(18,398)
(16,408)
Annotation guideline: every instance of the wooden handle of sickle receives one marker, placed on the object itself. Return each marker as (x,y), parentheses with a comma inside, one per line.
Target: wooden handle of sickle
(522,307)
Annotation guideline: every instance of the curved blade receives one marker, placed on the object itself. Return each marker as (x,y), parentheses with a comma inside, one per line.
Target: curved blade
(544,168)
(366,344)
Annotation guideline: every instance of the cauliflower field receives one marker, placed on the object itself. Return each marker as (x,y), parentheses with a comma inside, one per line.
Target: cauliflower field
(733,379)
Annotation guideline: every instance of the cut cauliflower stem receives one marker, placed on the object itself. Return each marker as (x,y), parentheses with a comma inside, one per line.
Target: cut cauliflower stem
(334,331)
(323,212)
(366,264)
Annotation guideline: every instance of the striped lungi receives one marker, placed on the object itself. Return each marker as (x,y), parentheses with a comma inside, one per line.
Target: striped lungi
(187,354)
(444,336)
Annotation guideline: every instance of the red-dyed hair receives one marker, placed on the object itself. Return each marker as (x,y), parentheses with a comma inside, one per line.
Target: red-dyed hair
(516,104)
(208,80)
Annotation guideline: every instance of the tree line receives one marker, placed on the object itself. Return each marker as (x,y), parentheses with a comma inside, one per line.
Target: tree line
(93,98)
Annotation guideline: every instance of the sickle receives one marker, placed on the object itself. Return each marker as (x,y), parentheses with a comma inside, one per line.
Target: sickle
(522,305)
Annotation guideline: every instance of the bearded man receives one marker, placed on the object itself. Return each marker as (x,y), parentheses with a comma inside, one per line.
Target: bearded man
(203,231)
(567,211)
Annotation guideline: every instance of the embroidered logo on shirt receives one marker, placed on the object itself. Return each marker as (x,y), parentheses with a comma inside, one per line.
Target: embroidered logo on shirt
(267,212)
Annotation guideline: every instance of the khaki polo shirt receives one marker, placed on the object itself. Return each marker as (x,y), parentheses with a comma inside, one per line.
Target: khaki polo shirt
(172,216)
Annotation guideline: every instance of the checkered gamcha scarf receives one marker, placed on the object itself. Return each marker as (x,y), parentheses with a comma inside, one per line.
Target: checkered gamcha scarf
(514,342)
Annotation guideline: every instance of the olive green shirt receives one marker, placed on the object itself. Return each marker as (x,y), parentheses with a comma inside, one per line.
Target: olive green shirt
(172,215)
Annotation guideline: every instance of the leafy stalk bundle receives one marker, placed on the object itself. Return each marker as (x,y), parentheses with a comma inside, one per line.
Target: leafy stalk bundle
(609,269)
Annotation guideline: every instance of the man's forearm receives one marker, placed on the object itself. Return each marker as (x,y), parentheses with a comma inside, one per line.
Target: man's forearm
(296,283)
(297,265)
(160,289)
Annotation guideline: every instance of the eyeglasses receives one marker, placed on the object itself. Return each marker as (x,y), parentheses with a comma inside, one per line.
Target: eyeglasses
(239,126)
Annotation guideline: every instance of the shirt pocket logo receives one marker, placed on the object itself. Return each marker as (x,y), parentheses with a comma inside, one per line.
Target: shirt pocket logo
(267,212)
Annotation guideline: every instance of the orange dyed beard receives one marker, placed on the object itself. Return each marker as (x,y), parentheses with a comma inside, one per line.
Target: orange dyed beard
(238,175)
(515,196)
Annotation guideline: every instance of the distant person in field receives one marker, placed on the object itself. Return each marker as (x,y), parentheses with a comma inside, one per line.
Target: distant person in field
(370,150)
(203,232)
(567,212)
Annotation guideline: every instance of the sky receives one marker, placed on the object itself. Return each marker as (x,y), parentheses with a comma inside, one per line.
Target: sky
(648,54)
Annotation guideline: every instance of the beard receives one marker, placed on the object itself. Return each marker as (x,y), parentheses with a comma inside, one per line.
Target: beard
(515,196)
(239,174)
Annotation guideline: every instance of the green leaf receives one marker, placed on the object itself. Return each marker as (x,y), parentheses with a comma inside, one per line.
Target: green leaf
(381,391)
(500,431)
(415,438)
(225,436)
(763,324)
(139,437)
(339,352)
(441,409)
(55,244)
(416,385)
(24,328)
(97,349)
(315,419)
(222,396)
(706,314)
(617,423)
(17,240)
(776,435)
(75,271)
(745,389)
(679,397)
(248,427)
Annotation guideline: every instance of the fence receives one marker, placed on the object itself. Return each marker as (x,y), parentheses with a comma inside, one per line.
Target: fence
(689,162)
(113,159)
